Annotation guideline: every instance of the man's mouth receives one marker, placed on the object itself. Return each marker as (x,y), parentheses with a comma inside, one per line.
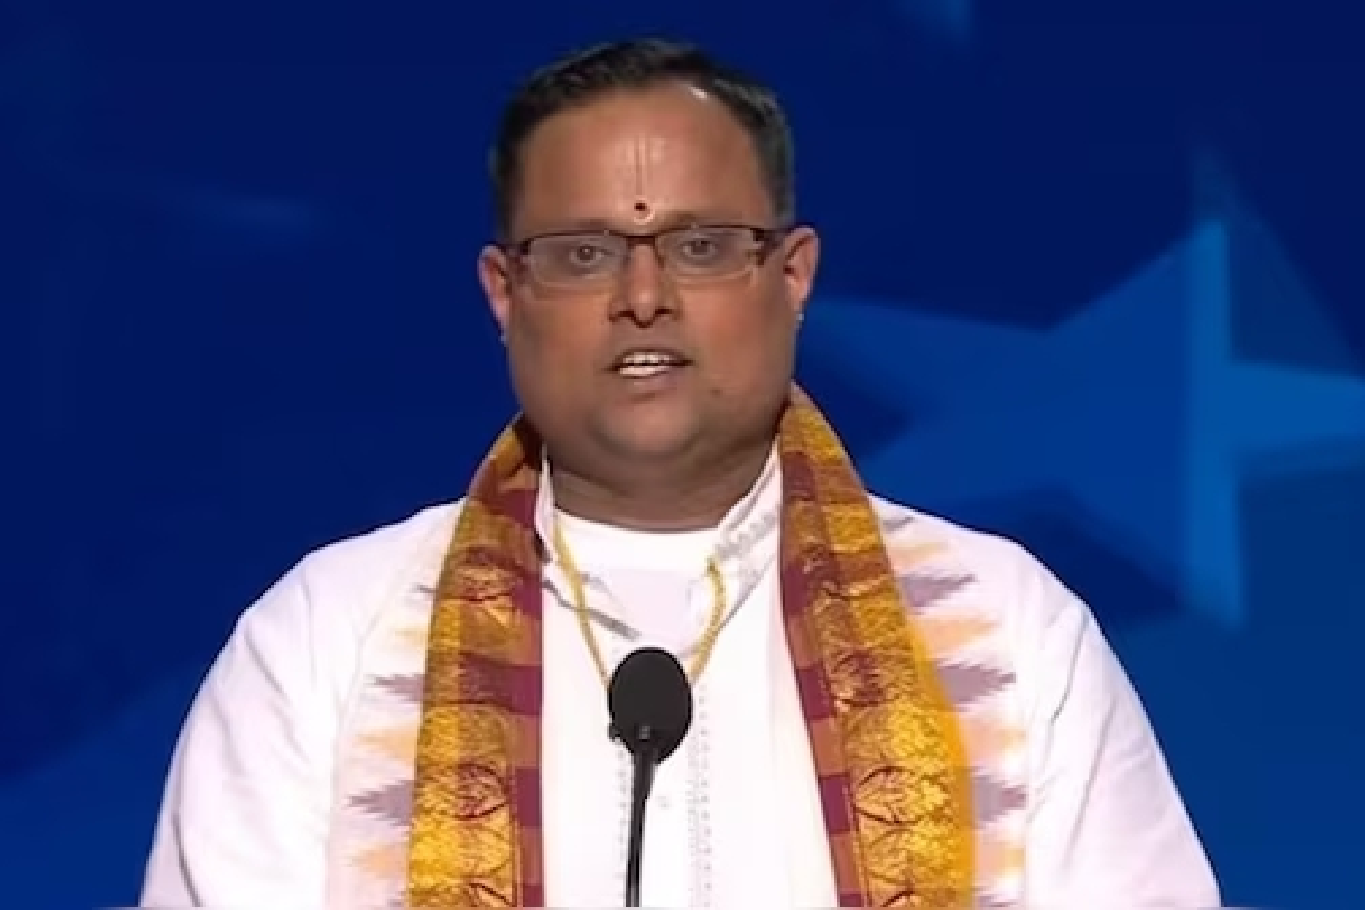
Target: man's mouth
(643,363)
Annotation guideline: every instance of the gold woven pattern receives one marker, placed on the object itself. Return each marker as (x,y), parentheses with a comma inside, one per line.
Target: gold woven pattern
(889,753)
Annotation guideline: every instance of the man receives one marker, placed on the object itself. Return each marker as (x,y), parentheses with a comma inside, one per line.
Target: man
(889,709)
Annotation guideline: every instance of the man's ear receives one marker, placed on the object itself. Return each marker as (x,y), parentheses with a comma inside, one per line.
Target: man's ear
(800,261)
(495,275)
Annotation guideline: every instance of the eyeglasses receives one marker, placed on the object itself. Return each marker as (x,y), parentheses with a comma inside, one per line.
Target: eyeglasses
(690,255)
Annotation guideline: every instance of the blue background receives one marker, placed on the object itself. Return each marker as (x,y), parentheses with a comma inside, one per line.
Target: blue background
(1092,280)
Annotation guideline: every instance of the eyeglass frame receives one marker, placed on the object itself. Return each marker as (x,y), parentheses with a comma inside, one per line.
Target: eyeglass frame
(766,240)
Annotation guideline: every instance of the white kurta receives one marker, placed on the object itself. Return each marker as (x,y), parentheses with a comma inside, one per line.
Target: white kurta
(271,797)
(734,819)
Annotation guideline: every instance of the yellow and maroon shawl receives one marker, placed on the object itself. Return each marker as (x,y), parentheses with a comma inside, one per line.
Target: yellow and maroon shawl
(894,778)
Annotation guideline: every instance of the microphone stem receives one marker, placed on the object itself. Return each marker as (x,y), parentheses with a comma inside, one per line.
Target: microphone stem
(645,762)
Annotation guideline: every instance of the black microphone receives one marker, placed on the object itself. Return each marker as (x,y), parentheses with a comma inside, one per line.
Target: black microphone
(650,702)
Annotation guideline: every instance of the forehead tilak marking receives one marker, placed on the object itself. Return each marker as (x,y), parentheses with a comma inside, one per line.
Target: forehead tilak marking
(641,210)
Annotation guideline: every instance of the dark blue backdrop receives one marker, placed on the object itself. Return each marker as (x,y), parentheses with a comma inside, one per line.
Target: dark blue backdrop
(1092,280)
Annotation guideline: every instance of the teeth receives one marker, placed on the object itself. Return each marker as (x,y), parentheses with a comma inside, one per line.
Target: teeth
(647,358)
(646,363)
(642,370)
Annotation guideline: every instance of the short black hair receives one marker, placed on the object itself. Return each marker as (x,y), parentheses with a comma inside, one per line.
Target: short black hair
(636,65)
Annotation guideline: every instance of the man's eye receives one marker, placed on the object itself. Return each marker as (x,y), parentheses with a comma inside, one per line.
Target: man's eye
(586,254)
(700,248)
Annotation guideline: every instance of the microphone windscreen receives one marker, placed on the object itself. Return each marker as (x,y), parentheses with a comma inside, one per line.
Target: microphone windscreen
(650,700)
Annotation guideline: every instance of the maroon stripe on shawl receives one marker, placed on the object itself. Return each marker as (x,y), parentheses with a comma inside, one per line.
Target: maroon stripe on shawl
(808,569)
(526,698)
(799,580)
(484,680)
(526,809)
(491,582)
(499,559)
(512,501)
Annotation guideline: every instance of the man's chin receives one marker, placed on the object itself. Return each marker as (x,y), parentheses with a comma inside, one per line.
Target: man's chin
(648,443)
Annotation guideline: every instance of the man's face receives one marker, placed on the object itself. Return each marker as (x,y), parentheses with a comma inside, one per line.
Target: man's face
(640,163)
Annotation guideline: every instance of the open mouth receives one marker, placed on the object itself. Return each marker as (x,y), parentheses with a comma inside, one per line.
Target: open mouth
(643,364)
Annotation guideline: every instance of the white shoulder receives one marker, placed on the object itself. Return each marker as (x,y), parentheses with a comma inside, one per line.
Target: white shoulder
(1006,578)
(1103,815)
(244,816)
(326,605)
(349,582)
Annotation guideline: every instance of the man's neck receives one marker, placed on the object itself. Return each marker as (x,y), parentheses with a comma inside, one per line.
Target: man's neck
(642,500)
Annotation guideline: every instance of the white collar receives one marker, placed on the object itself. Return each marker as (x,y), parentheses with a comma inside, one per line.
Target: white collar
(746,539)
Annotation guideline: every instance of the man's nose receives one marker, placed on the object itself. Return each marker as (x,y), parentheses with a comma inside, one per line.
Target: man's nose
(645,292)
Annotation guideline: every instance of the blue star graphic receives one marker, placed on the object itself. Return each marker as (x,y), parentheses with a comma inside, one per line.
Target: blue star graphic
(1139,412)
(951,20)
